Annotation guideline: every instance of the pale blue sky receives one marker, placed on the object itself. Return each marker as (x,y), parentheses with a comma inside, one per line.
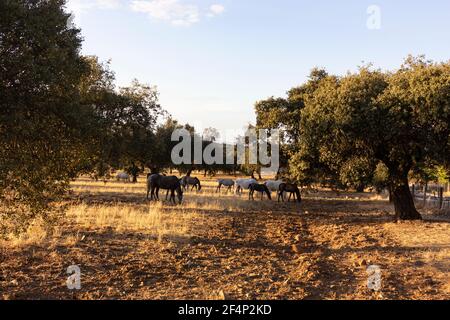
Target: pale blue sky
(212,59)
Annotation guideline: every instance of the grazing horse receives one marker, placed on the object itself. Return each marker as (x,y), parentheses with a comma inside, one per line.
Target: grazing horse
(225,182)
(242,184)
(172,184)
(290,188)
(273,185)
(189,181)
(261,188)
(122,176)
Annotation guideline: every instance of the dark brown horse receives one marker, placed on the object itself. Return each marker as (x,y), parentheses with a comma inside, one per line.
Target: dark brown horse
(261,188)
(190,181)
(290,188)
(172,184)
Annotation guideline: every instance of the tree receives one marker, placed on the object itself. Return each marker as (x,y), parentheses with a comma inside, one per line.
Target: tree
(42,121)
(139,114)
(211,134)
(125,121)
(284,114)
(160,159)
(401,119)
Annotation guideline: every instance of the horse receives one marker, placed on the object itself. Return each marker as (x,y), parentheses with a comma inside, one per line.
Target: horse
(261,188)
(171,183)
(292,189)
(273,185)
(189,181)
(229,183)
(123,176)
(242,184)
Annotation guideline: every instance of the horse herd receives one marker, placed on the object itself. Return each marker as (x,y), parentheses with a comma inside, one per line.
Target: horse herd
(174,185)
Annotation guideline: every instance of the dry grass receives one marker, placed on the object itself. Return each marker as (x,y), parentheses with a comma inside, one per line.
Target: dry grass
(214,244)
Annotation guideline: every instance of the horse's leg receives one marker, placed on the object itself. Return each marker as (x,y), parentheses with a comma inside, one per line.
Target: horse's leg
(178,193)
(281,195)
(172,196)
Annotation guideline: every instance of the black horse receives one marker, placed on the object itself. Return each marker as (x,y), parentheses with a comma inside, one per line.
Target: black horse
(261,188)
(190,181)
(172,184)
(290,188)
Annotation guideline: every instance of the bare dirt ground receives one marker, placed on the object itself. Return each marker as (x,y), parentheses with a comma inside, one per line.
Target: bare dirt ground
(223,246)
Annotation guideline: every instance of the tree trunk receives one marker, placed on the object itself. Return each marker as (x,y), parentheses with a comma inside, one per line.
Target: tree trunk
(391,197)
(404,203)
(360,188)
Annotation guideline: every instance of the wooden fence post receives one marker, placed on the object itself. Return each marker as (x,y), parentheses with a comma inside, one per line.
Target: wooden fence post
(425,190)
(441,197)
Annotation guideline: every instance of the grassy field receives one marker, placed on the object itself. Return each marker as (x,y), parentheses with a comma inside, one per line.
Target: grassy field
(226,247)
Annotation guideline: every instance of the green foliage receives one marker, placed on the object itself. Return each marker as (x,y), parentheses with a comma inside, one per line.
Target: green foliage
(442,175)
(350,123)
(61,114)
(124,121)
(285,114)
(42,132)
(380,177)
(357,173)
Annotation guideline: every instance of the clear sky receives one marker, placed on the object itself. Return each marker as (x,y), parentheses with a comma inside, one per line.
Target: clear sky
(213,59)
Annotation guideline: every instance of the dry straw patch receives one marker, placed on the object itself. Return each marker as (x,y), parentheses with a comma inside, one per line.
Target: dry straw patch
(155,220)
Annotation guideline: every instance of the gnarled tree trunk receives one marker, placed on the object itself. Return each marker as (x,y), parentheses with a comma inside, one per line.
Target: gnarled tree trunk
(404,203)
